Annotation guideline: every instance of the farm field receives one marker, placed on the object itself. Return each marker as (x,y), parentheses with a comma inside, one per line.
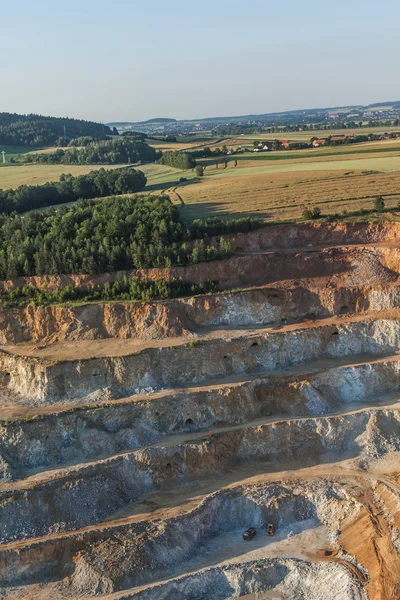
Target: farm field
(234,142)
(14,176)
(160,177)
(300,136)
(283,191)
(49,149)
(160,145)
(377,148)
(12,151)
(386,162)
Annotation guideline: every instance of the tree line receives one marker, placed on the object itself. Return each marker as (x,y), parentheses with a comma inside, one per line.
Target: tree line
(99,236)
(37,130)
(87,139)
(95,184)
(112,152)
(180,160)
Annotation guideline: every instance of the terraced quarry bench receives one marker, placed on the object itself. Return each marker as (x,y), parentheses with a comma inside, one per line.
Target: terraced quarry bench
(139,440)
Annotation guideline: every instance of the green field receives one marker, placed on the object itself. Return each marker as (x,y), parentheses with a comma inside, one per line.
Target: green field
(318,152)
(12,151)
(161,177)
(16,175)
(300,136)
(385,163)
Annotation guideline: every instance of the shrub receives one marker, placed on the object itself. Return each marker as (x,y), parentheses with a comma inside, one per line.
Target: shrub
(311,214)
(379,204)
(199,170)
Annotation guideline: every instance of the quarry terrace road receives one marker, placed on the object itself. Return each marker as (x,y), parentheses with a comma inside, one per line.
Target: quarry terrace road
(85,349)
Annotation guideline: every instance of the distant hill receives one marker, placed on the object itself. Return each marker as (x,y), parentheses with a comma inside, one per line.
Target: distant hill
(148,122)
(37,130)
(163,126)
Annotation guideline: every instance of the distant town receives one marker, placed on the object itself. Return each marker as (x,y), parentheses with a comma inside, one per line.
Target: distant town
(299,120)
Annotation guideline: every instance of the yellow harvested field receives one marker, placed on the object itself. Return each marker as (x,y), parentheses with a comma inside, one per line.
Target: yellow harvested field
(160,145)
(284,195)
(49,150)
(12,177)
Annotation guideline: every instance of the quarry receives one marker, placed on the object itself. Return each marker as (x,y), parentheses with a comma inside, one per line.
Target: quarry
(139,440)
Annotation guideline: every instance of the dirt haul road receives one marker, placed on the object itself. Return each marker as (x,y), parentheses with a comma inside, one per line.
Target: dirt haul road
(139,440)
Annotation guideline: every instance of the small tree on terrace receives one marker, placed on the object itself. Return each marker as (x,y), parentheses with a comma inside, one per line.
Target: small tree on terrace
(379,204)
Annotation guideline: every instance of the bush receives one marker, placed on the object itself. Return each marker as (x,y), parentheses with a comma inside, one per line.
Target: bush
(199,170)
(311,214)
(379,204)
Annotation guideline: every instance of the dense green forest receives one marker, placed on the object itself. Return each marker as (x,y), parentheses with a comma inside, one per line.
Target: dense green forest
(180,160)
(36,130)
(87,139)
(111,152)
(95,184)
(97,236)
(127,289)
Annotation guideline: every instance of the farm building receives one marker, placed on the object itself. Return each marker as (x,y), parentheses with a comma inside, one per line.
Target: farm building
(263,147)
(317,143)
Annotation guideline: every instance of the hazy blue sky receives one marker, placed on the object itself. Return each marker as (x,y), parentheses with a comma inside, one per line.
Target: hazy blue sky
(127,60)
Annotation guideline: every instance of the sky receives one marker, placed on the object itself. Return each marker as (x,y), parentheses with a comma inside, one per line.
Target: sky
(125,60)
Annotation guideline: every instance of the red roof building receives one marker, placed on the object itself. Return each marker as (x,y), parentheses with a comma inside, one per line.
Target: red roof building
(320,142)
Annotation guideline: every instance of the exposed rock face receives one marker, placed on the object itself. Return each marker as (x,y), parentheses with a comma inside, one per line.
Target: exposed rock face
(195,362)
(252,581)
(110,485)
(79,434)
(140,548)
(139,440)
(247,270)
(152,320)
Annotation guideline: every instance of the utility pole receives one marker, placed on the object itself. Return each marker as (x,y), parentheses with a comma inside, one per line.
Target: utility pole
(4,156)
(65,133)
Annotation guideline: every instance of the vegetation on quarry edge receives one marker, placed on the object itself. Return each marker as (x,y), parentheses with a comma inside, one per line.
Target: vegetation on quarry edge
(114,234)
(127,289)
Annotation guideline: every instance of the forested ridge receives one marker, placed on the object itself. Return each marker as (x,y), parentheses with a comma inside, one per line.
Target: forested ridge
(95,184)
(117,151)
(36,130)
(98,236)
